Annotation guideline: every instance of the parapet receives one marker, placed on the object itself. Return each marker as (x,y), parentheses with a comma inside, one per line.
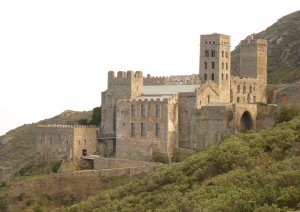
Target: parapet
(124,75)
(251,41)
(66,126)
(193,79)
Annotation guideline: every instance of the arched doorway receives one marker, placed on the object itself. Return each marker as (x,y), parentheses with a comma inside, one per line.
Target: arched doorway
(246,122)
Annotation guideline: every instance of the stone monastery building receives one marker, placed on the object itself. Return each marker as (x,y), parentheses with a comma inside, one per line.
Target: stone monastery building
(142,115)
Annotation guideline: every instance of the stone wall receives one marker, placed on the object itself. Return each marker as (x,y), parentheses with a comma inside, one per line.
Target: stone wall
(57,142)
(192,79)
(243,90)
(212,122)
(288,95)
(140,145)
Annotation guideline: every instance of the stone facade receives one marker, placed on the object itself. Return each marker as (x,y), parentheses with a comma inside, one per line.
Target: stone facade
(57,142)
(146,115)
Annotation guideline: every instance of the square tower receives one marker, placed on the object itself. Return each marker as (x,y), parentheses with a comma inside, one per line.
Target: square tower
(253,63)
(215,62)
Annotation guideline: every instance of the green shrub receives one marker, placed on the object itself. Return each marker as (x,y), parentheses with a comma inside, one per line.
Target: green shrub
(3,184)
(286,114)
(21,196)
(56,167)
(160,157)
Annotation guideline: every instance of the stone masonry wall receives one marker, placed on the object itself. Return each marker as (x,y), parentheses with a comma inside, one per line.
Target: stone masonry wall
(139,146)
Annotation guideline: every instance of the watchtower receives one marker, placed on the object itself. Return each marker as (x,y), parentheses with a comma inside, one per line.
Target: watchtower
(215,62)
(126,85)
(253,63)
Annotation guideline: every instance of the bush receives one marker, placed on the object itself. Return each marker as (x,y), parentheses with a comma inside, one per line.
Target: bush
(286,114)
(56,167)
(3,184)
(160,157)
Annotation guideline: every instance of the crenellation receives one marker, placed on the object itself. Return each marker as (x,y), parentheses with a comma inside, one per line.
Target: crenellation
(143,115)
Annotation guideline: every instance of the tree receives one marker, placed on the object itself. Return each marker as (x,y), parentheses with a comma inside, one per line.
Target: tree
(96,117)
(286,114)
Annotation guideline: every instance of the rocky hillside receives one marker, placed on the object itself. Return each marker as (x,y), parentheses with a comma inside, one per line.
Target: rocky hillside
(17,146)
(283,50)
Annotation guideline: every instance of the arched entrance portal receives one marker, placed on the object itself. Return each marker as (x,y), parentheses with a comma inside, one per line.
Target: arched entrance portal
(246,122)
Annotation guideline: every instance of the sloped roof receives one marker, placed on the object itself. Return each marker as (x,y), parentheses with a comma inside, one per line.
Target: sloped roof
(168,89)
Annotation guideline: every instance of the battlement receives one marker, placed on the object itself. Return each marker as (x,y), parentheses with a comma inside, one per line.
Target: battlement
(251,41)
(124,75)
(237,78)
(142,100)
(66,126)
(172,80)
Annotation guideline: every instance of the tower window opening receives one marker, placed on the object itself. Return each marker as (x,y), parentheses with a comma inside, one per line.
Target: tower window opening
(213,53)
(222,76)
(205,76)
(157,129)
(222,66)
(206,53)
(238,89)
(143,111)
(132,129)
(133,110)
(238,99)
(205,65)
(212,76)
(208,98)
(222,53)
(250,89)
(244,89)
(226,66)
(226,76)
(143,129)
(213,65)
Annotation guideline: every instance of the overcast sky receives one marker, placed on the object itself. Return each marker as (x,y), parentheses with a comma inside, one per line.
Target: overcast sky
(55,54)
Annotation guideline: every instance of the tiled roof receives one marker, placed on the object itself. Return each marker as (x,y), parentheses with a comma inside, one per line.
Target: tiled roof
(168,89)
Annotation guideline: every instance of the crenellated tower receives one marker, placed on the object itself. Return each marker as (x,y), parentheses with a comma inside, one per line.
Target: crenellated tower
(215,62)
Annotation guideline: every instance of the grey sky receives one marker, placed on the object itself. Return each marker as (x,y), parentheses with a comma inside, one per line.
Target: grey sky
(55,54)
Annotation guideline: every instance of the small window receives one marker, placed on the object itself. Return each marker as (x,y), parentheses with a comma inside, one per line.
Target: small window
(222,76)
(157,129)
(132,129)
(226,66)
(213,53)
(205,65)
(213,65)
(250,89)
(157,110)
(238,99)
(223,54)
(238,89)
(226,76)
(254,99)
(133,110)
(212,76)
(143,129)
(222,66)
(205,76)
(208,98)
(84,142)
(244,89)
(143,111)
(206,53)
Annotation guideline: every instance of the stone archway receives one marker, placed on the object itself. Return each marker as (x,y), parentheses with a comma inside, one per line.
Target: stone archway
(246,122)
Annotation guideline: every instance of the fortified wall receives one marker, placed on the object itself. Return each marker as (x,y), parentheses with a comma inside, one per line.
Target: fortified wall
(145,126)
(193,79)
(57,142)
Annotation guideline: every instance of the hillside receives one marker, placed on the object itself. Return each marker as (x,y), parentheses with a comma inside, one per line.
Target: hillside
(17,146)
(283,50)
(249,172)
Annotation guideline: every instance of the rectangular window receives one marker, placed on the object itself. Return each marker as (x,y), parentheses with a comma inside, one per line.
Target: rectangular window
(212,65)
(132,129)
(133,110)
(226,66)
(157,129)
(205,65)
(206,53)
(157,110)
(143,129)
(223,54)
(143,111)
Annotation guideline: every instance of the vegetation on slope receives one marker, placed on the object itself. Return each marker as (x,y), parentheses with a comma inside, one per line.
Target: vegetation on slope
(17,147)
(283,50)
(249,172)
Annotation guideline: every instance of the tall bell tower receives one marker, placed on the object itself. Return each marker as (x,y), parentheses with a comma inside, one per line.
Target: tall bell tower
(215,62)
